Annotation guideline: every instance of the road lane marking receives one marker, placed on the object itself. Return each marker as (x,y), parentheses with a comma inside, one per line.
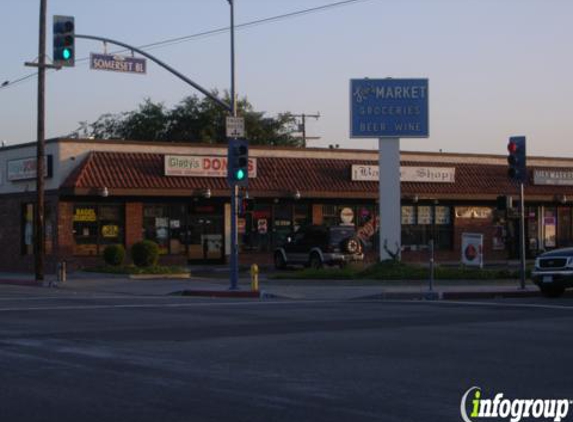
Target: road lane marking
(488,304)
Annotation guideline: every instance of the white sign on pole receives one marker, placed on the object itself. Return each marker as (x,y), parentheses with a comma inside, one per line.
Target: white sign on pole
(472,249)
(235,127)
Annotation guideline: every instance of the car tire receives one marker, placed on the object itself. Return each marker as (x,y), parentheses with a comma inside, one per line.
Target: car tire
(552,291)
(280,262)
(352,245)
(314,261)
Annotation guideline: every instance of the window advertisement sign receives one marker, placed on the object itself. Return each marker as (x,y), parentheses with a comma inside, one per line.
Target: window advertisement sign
(201,166)
(442,215)
(425,214)
(550,231)
(408,214)
(472,249)
(347,216)
(85,214)
(389,108)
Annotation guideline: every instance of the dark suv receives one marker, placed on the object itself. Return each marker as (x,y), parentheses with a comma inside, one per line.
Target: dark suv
(315,246)
(553,271)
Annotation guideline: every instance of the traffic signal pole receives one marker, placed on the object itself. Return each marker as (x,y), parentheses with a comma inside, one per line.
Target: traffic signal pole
(522,236)
(234,258)
(517,160)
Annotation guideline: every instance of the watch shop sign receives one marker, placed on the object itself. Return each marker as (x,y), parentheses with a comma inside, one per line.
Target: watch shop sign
(360,172)
(201,166)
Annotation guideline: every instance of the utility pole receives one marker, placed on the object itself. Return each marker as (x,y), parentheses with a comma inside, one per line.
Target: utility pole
(302,127)
(39,245)
(40,150)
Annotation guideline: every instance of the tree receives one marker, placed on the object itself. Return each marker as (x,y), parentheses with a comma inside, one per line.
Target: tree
(194,120)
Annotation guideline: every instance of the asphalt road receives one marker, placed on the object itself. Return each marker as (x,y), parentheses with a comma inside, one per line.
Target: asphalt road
(66,356)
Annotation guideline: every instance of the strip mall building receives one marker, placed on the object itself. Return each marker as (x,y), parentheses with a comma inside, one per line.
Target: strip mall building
(107,192)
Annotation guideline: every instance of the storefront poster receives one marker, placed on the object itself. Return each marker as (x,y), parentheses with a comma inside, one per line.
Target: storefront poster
(442,215)
(472,249)
(346,216)
(550,232)
(498,240)
(408,216)
(425,215)
(262,226)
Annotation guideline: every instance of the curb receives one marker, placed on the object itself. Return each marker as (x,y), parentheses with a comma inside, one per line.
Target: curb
(158,276)
(243,294)
(459,295)
(20,282)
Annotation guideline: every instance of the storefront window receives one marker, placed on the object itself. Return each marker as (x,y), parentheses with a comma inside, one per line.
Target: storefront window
(260,222)
(96,226)
(28,218)
(301,216)
(194,230)
(282,223)
(421,223)
(178,238)
(156,226)
(111,225)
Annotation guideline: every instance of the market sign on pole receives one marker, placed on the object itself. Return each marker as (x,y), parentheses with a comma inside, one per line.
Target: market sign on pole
(116,63)
(389,108)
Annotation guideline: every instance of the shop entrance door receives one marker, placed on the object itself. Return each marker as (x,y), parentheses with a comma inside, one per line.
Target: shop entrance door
(206,243)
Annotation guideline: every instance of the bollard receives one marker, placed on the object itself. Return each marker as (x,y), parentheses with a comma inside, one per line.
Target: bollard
(431,265)
(255,278)
(62,271)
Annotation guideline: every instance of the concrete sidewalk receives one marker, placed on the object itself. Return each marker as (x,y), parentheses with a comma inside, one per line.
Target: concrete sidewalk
(284,289)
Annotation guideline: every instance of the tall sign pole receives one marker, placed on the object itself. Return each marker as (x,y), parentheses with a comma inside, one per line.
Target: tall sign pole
(389,109)
(234,261)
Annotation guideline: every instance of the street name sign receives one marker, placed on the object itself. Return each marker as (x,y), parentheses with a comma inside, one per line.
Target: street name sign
(389,108)
(115,63)
(235,127)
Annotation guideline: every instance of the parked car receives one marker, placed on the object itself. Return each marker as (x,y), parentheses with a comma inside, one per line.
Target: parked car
(316,246)
(553,272)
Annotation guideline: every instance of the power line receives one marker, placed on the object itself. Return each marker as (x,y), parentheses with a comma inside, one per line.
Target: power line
(204,34)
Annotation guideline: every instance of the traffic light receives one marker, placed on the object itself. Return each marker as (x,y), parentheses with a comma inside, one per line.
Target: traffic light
(517,159)
(64,40)
(238,162)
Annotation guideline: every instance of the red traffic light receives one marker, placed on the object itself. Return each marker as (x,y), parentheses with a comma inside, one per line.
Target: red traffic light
(512,147)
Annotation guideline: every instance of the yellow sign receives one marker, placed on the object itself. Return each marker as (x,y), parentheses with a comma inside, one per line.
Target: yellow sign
(110,231)
(85,214)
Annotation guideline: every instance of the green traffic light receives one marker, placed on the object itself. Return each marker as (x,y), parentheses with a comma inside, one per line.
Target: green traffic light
(240,174)
(67,54)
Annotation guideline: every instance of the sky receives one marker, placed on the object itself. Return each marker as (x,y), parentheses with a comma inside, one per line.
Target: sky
(496,68)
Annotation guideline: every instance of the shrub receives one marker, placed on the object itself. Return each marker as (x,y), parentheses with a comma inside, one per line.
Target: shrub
(145,253)
(114,255)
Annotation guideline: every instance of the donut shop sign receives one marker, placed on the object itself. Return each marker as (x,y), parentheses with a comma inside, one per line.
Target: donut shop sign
(201,166)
